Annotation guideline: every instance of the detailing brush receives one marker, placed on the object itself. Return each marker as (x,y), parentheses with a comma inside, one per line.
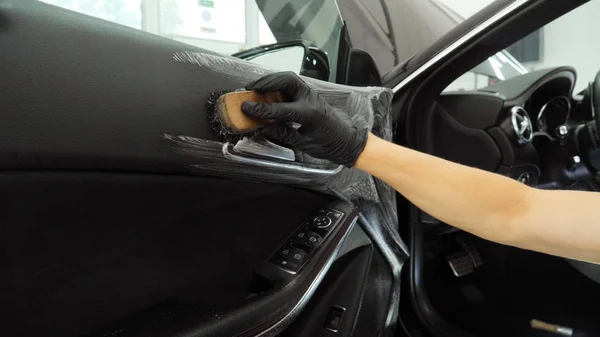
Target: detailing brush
(556,329)
(224,109)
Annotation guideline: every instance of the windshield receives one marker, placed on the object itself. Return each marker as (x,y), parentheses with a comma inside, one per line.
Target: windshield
(496,68)
(566,41)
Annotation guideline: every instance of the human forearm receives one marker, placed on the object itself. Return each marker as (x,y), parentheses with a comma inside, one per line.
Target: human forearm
(474,200)
(483,203)
(563,223)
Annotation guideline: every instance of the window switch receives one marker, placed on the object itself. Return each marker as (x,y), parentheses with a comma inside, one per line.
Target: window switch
(334,318)
(336,215)
(293,255)
(300,236)
(285,264)
(308,238)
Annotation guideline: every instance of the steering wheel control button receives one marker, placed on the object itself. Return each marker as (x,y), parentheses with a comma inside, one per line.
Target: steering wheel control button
(562,131)
(524,178)
(322,221)
(573,163)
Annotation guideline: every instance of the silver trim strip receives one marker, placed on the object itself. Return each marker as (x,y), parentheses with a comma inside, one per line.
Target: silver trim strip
(563,330)
(266,163)
(291,272)
(541,113)
(313,286)
(462,40)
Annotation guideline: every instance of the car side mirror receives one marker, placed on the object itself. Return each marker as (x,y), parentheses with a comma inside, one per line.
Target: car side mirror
(293,56)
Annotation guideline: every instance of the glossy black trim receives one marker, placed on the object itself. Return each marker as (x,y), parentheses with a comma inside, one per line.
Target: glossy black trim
(362,70)
(403,70)
(315,62)
(343,56)
(426,313)
(390,245)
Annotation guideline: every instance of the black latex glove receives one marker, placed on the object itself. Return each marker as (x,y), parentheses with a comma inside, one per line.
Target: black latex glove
(323,133)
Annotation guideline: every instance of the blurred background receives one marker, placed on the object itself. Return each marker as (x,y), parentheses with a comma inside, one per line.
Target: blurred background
(229,26)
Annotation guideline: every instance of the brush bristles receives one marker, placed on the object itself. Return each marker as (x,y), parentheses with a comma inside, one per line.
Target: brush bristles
(214,120)
(213,116)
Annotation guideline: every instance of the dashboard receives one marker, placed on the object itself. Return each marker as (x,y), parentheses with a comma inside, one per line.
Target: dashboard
(531,128)
(521,127)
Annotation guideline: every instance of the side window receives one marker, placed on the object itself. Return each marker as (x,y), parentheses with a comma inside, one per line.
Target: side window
(225,27)
(566,41)
(229,26)
(470,81)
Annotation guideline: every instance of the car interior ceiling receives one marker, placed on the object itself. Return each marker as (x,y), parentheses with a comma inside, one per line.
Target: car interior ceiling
(509,286)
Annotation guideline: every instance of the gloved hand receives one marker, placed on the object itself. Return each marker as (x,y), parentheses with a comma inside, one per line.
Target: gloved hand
(323,134)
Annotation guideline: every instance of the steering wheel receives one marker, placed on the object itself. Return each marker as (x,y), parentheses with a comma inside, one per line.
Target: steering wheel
(589,139)
(584,145)
(595,99)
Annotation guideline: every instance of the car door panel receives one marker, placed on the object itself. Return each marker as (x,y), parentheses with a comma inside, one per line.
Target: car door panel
(80,92)
(101,246)
(117,219)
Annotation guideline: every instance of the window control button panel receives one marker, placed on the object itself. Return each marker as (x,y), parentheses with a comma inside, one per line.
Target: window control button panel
(294,255)
(322,221)
(307,240)
(290,258)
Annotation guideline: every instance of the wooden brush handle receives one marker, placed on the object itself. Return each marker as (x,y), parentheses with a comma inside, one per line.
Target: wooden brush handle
(234,120)
(556,329)
(536,324)
(266,97)
(238,97)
